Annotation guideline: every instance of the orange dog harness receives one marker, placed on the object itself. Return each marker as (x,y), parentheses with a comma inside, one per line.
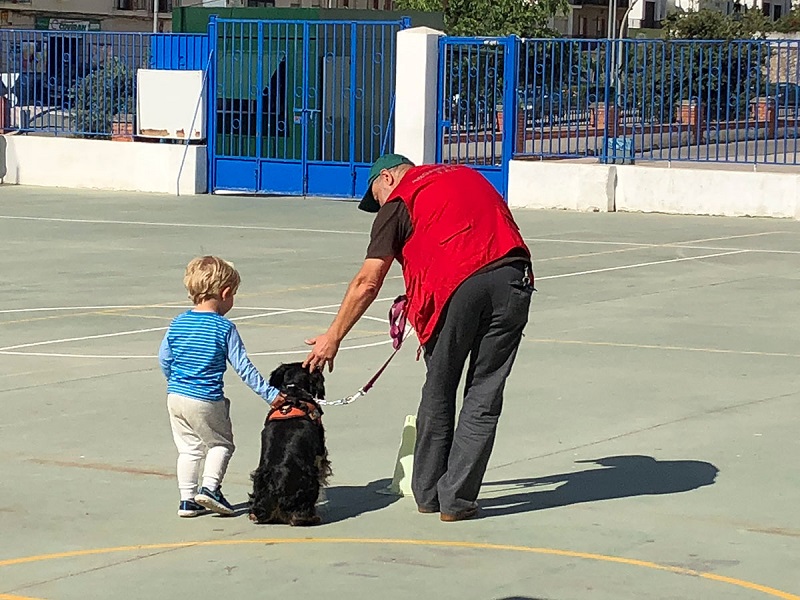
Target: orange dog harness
(305,409)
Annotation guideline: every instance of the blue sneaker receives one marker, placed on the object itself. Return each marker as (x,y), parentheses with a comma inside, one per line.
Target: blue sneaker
(189,508)
(214,501)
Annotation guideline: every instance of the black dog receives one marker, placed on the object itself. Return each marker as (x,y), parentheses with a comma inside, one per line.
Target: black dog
(294,461)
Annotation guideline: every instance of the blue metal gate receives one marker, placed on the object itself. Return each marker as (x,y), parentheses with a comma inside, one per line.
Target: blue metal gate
(300,107)
(477,88)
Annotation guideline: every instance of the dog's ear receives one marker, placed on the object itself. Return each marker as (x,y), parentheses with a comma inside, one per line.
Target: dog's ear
(278,375)
(317,384)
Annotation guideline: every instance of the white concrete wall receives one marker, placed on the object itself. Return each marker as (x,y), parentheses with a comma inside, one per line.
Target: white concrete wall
(416,94)
(584,186)
(702,191)
(100,164)
(557,184)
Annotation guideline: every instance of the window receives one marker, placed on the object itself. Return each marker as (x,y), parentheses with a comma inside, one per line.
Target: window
(765,8)
(133,4)
(778,12)
(649,20)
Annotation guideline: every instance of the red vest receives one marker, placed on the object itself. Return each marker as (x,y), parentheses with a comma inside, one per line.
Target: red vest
(460,224)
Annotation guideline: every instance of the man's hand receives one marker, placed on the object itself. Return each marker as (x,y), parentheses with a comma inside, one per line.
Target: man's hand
(361,292)
(324,351)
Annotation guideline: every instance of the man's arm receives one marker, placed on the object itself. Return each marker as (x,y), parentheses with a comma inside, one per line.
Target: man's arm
(361,292)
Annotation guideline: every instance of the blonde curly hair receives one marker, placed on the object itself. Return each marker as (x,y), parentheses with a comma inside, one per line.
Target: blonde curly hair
(207,276)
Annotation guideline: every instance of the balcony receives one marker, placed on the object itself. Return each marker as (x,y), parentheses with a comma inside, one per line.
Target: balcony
(164,6)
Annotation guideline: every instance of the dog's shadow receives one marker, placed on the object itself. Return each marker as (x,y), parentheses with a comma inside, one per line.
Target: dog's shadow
(621,477)
(348,501)
(344,501)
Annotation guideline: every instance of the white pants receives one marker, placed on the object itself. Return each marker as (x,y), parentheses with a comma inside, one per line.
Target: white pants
(200,430)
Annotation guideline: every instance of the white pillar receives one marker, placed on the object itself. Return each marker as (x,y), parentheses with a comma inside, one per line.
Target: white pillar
(416,83)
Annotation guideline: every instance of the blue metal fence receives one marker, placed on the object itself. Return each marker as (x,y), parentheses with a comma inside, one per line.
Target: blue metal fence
(643,100)
(83,83)
(476,80)
(179,52)
(300,107)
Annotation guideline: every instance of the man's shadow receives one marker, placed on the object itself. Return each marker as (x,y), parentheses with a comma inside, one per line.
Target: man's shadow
(620,477)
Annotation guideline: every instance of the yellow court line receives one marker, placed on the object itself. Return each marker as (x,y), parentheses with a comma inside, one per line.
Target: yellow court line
(657,347)
(536,261)
(119,312)
(447,544)
(12,597)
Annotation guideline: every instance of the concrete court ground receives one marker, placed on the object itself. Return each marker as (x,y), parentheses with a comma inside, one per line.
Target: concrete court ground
(649,445)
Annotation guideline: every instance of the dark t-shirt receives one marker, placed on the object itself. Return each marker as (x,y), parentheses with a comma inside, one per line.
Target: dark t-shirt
(392,228)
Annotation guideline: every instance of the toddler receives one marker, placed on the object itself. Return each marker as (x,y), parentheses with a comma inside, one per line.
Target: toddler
(193,358)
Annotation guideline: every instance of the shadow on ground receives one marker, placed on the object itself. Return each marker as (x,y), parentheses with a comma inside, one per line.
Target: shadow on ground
(620,477)
(348,501)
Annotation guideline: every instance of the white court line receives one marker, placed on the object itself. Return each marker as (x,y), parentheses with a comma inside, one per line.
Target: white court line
(754,250)
(733,237)
(199,225)
(646,264)
(665,245)
(409,332)
(135,306)
(366,233)
(148,330)
(154,356)
(80,339)
(7,349)
(277,311)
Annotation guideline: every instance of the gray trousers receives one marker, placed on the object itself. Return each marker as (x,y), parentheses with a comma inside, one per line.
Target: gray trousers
(484,321)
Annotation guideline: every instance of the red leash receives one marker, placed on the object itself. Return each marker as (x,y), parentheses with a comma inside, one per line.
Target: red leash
(397,330)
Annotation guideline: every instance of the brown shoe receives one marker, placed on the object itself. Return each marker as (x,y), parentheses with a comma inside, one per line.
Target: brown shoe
(427,511)
(459,516)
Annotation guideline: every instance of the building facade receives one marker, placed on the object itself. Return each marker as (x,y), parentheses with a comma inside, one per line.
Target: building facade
(137,15)
(648,14)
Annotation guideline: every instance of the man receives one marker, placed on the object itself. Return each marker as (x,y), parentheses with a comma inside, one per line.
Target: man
(468,280)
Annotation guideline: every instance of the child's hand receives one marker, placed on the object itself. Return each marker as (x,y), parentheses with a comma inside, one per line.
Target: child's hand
(279,401)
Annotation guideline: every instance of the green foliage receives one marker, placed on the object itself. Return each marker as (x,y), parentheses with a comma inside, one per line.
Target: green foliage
(788,23)
(722,69)
(106,92)
(721,76)
(493,17)
(713,25)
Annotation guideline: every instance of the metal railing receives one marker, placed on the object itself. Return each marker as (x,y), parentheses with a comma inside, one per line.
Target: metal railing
(320,91)
(711,101)
(83,83)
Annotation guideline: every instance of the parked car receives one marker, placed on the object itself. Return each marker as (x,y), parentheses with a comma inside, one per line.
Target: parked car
(787,95)
(469,113)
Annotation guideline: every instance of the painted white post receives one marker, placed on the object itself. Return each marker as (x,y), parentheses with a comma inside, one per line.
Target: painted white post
(416,83)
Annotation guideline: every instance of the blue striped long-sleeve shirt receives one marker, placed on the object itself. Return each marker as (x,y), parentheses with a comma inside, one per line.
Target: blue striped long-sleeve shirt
(193,357)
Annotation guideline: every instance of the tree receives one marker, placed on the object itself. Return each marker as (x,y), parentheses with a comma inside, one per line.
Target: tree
(788,23)
(713,25)
(722,68)
(525,18)
(101,96)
